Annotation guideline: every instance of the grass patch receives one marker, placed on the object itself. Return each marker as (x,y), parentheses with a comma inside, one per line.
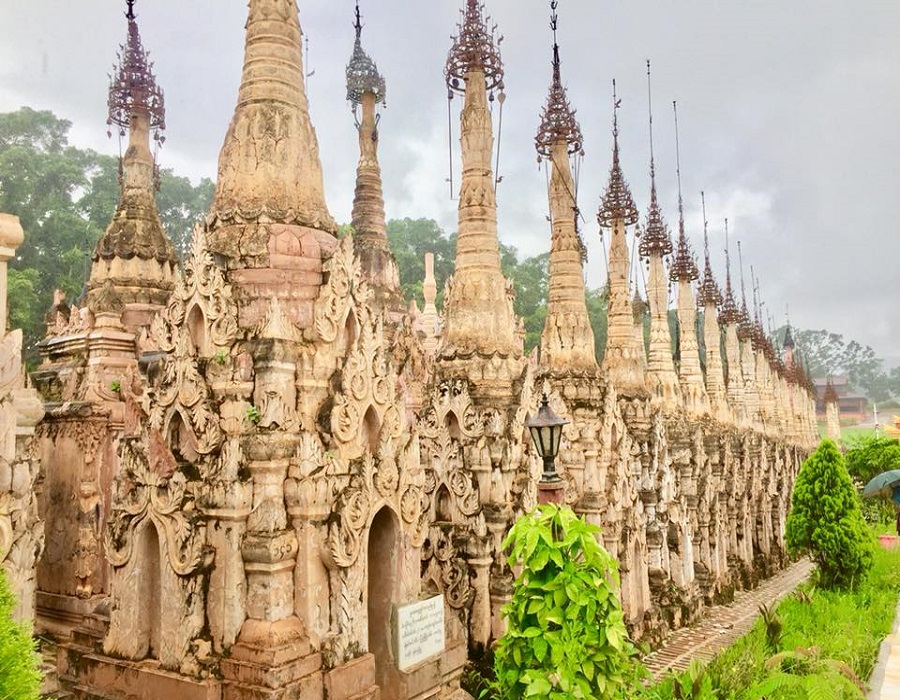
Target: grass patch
(838,634)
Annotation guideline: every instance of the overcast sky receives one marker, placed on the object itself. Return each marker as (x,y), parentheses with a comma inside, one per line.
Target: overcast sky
(788,113)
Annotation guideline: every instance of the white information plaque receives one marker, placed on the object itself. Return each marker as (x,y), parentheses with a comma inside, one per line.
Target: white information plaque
(420,631)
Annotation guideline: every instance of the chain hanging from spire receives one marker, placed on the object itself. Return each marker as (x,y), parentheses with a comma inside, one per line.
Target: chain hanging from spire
(474,48)
(133,89)
(655,239)
(617,204)
(362,73)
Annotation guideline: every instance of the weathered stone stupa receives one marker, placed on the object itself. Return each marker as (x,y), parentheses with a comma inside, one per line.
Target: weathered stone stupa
(263,478)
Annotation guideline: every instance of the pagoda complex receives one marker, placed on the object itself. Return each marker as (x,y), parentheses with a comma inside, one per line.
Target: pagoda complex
(258,474)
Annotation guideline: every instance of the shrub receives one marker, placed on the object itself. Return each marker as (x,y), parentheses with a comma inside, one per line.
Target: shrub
(825,521)
(20,676)
(868,456)
(566,636)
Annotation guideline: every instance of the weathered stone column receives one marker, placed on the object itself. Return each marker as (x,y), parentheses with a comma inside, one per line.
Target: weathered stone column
(832,413)
(567,341)
(478,312)
(624,357)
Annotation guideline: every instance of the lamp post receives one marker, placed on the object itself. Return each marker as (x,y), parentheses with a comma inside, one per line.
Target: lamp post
(546,432)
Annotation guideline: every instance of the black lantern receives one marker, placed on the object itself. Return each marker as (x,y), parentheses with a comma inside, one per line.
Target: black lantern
(546,431)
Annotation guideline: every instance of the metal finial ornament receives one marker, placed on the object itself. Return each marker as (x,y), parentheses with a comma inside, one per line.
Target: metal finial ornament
(133,89)
(729,313)
(708,293)
(474,48)
(745,324)
(684,267)
(558,121)
(617,204)
(656,239)
(362,73)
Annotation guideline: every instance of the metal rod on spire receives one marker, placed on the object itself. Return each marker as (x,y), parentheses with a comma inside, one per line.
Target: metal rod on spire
(357,25)
(705,223)
(741,265)
(678,167)
(130,14)
(650,112)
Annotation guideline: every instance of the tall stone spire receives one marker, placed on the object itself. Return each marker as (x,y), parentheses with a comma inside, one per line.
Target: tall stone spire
(134,261)
(655,245)
(832,412)
(748,359)
(730,316)
(366,90)
(478,311)
(709,297)
(624,357)
(269,168)
(684,272)
(567,341)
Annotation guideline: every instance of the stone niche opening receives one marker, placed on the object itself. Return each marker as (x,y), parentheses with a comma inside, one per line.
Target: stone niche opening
(451,422)
(371,427)
(383,594)
(196,324)
(443,505)
(149,614)
(351,331)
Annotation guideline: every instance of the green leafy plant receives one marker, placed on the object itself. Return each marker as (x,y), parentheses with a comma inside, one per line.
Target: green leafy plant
(115,385)
(221,357)
(253,414)
(773,625)
(20,676)
(566,635)
(826,522)
(805,673)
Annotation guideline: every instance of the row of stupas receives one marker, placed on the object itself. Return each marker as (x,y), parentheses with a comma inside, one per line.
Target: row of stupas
(263,476)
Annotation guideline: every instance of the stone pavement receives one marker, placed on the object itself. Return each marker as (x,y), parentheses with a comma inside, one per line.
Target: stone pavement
(723,624)
(885,681)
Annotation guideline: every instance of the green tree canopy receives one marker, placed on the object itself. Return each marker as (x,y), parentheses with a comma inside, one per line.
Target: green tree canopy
(65,197)
(20,676)
(825,520)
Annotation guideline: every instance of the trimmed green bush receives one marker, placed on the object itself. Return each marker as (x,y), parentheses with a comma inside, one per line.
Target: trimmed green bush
(826,522)
(20,676)
(566,636)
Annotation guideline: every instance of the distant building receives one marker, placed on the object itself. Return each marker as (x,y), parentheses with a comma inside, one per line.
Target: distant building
(853,407)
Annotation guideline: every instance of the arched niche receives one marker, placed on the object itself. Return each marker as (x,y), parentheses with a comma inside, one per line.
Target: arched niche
(149,616)
(371,428)
(383,587)
(196,324)
(451,422)
(351,331)
(443,505)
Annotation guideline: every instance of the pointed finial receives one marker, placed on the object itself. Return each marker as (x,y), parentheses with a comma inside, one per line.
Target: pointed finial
(656,240)
(362,73)
(617,204)
(133,89)
(558,121)
(729,312)
(684,267)
(475,47)
(708,293)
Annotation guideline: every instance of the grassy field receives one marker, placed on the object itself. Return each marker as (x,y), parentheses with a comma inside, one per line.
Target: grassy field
(818,643)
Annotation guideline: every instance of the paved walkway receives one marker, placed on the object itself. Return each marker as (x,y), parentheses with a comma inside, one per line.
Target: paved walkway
(723,624)
(885,681)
